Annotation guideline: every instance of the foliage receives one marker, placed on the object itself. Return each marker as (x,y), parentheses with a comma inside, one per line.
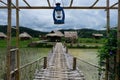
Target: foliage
(110,46)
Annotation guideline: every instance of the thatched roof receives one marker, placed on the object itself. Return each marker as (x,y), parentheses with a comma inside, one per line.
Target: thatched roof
(55,33)
(24,34)
(99,35)
(2,35)
(71,34)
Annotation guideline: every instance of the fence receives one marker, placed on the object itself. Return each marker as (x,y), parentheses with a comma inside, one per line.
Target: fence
(25,72)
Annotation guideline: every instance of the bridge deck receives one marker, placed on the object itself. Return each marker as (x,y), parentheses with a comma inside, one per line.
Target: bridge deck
(59,66)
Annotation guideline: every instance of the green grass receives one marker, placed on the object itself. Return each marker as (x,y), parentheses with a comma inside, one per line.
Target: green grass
(91,40)
(27,55)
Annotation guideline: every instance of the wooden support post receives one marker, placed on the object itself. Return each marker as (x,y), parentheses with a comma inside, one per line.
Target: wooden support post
(117,75)
(74,63)
(66,50)
(94,3)
(71,3)
(9,39)
(45,63)
(49,3)
(27,3)
(17,41)
(108,31)
(3,2)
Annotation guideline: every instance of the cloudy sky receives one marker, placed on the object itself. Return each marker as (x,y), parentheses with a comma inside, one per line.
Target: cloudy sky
(42,20)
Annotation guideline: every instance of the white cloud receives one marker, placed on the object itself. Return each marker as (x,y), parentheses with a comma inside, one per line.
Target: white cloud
(43,20)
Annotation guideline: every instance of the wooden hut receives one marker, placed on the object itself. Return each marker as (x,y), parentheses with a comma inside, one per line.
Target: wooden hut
(2,35)
(55,36)
(70,36)
(97,36)
(25,36)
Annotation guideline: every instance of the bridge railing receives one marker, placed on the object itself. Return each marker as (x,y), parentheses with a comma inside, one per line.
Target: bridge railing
(90,71)
(27,71)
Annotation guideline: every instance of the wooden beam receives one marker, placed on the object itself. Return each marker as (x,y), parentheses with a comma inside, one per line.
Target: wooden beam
(27,3)
(94,3)
(3,2)
(71,3)
(46,7)
(117,70)
(108,31)
(17,41)
(114,5)
(48,3)
(15,6)
(9,38)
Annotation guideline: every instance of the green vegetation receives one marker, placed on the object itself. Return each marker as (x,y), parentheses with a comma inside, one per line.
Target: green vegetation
(108,52)
(27,55)
(33,33)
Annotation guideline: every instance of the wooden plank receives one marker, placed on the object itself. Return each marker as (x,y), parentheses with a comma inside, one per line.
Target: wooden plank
(46,7)
(58,68)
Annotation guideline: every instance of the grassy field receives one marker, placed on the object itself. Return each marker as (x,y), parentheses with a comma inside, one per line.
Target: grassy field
(90,56)
(27,55)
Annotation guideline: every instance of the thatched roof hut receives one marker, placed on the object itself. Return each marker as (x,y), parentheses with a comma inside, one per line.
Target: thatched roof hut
(25,36)
(97,36)
(2,35)
(70,36)
(55,36)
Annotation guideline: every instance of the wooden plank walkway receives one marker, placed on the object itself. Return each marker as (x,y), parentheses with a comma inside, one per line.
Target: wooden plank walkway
(59,66)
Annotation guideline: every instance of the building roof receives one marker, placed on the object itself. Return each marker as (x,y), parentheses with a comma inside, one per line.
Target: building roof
(99,35)
(25,34)
(71,34)
(55,33)
(2,34)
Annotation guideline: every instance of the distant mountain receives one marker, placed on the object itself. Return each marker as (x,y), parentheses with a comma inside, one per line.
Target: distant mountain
(83,33)
(34,33)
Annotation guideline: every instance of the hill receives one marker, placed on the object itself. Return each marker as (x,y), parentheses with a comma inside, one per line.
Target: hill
(83,33)
(34,33)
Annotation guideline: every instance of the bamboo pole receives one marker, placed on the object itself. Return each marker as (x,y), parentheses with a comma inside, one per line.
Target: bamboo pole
(47,7)
(17,40)
(94,3)
(71,3)
(108,30)
(8,39)
(117,75)
(27,3)
(114,5)
(48,3)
